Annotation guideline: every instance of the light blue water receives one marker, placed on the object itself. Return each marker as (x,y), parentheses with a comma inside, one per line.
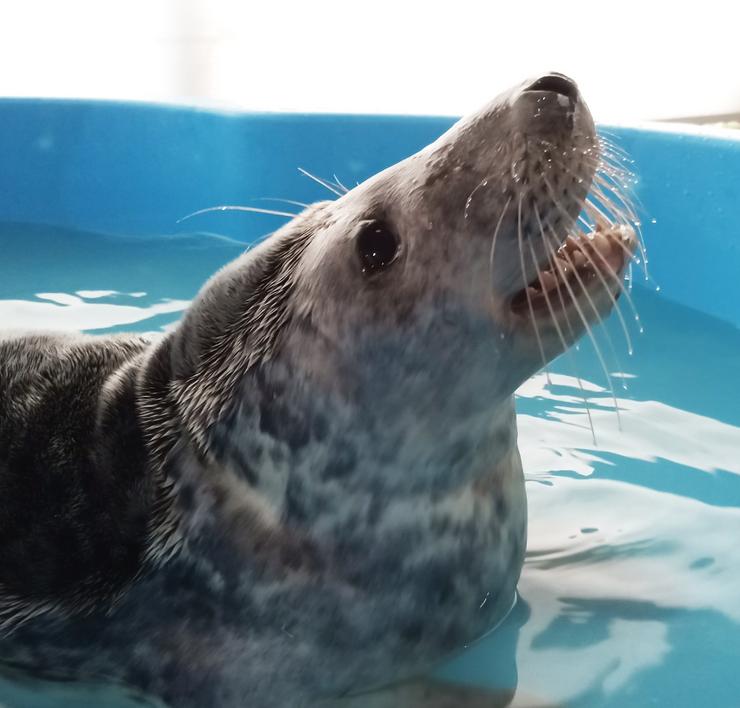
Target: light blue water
(630,595)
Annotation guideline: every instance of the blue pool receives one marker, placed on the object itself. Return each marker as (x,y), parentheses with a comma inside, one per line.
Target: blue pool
(630,594)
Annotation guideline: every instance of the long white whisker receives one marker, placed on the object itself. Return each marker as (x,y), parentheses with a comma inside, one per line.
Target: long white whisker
(615,152)
(595,310)
(322,182)
(303,205)
(611,182)
(339,184)
(620,201)
(590,333)
(566,348)
(596,213)
(526,292)
(614,276)
(615,305)
(625,291)
(598,198)
(230,207)
(493,242)
(623,213)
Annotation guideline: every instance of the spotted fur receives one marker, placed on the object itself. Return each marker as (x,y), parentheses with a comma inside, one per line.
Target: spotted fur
(312,485)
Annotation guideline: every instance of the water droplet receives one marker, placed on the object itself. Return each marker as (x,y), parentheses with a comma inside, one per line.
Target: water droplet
(642,330)
(657,288)
(630,351)
(653,221)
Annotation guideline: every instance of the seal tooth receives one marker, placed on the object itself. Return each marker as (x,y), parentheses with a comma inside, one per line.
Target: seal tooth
(548,280)
(570,244)
(601,242)
(579,260)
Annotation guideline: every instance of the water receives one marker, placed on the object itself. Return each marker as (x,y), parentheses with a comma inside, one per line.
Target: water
(630,595)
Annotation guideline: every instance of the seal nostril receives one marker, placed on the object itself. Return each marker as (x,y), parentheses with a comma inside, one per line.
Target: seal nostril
(556,83)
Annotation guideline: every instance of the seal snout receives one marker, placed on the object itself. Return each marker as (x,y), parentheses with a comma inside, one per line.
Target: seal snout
(555,83)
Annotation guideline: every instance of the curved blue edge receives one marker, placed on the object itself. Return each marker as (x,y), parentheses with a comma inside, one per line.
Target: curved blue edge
(136,169)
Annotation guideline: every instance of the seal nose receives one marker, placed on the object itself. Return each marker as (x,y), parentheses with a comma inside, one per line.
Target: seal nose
(556,83)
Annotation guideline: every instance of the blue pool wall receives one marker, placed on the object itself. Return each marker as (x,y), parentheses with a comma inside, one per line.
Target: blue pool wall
(136,169)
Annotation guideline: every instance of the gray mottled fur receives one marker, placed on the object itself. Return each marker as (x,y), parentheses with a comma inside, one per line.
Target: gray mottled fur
(311,486)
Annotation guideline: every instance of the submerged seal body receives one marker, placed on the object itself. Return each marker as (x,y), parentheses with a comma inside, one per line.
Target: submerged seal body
(312,485)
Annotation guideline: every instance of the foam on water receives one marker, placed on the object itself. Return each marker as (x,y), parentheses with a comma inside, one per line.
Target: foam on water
(630,594)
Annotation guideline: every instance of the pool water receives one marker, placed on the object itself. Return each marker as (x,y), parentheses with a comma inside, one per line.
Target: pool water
(630,595)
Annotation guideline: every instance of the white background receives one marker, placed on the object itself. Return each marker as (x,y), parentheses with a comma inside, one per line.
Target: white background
(633,60)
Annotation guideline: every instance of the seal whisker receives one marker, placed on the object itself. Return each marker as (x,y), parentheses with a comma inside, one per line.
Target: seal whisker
(620,202)
(625,291)
(339,184)
(322,182)
(232,207)
(609,269)
(587,326)
(613,146)
(469,199)
(551,255)
(582,284)
(628,198)
(598,197)
(617,159)
(624,210)
(614,302)
(566,348)
(597,213)
(493,243)
(303,205)
(619,282)
(526,291)
(623,206)
(610,164)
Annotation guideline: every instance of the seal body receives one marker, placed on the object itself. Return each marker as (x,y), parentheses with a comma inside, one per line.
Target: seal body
(312,485)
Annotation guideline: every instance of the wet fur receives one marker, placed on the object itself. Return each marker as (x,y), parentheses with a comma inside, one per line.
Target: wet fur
(298,493)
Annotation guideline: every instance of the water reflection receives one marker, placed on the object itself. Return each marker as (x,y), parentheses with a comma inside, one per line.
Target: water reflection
(560,437)
(631,590)
(83,311)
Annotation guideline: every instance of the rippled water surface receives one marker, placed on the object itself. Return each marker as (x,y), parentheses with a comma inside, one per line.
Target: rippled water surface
(630,595)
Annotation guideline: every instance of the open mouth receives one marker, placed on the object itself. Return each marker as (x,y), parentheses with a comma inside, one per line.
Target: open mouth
(584,262)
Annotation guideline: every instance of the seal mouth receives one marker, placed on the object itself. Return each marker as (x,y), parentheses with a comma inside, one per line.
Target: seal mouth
(584,263)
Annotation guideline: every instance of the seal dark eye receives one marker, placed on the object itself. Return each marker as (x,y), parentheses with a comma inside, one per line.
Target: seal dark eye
(377,246)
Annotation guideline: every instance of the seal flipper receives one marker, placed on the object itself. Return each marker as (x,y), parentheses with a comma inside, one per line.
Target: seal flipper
(76,492)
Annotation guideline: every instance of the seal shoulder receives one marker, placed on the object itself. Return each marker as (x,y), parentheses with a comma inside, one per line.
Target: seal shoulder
(73,473)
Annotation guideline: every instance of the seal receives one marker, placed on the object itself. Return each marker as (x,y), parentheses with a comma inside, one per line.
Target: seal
(311,487)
